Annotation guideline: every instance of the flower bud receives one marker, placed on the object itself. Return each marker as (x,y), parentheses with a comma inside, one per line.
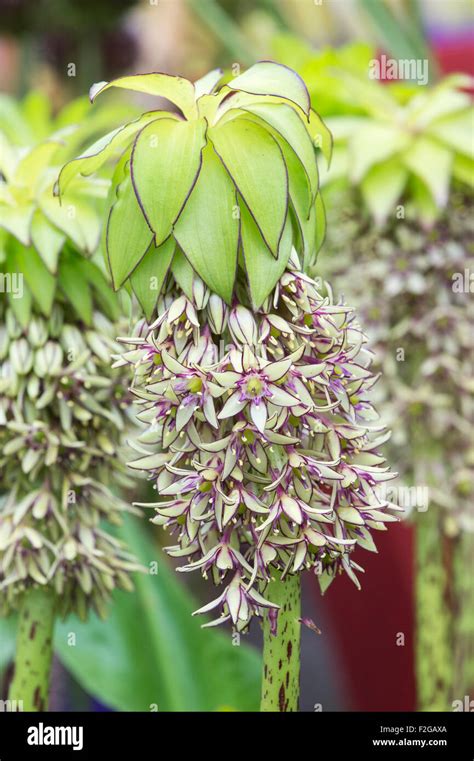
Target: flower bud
(243,326)
(217,314)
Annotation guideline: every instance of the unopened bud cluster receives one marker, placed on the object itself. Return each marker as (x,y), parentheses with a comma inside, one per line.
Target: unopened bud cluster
(260,437)
(62,416)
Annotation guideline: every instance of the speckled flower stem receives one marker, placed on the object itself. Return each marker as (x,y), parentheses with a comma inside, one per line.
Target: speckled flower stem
(34,650)
(464,619)
(434,652)
(281,652)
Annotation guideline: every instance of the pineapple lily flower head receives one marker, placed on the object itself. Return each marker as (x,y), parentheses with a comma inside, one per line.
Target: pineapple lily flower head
(251,381)
(63,412)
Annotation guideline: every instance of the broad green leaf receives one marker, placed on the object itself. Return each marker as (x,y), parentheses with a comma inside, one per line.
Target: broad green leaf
(222,109)
(165,163)
(8,156)
(151,652)
(343,127)
(437,104)
(37,108)
(75,217)
(269,78)
(321,136)
(75,287)
(207,84)
(47,240)
(456,132)
(300,197)
(41,282)
(320,220)
(423,202)
(30,168)
(19,298)
(105,297)
(291,128)
(208,227)
(463,169)
(148,278)
(178,90)
(432,163)
(128,235)
(382,187)
(12,122)
(255,163)
(97,154)
(183,273)
(17,220)
(372,144)
(263,270)
(368,94)
(339,166)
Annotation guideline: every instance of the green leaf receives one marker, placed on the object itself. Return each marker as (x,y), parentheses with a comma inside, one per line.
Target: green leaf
(208,227)
(255,163)
(263,270)
(75,217)
(382,187)
(148,278)
(228,105)
(75,287)
(321,136)
(128,236)
(183,273)
(463,169)
(8,155)
(432,163)
(178,90)
(47,240)
(106,298)
(150,651)
(300,200)
(103,149)
(41,283)
(269,78)
(320,220)
(17,220)
(456,132)
(21,300)
(437,105)
(166,160)
(30,168)
(423,202)
(207,84)
(372,144)
(291,128)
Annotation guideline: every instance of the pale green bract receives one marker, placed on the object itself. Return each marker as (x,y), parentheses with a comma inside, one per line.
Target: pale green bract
(242,148)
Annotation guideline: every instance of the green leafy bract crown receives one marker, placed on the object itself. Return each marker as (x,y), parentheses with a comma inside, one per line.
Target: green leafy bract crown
(395,141)
(46,239)
(230,181)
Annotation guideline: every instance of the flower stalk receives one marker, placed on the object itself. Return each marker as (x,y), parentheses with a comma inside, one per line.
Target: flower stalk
(281,647)
(34,650)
